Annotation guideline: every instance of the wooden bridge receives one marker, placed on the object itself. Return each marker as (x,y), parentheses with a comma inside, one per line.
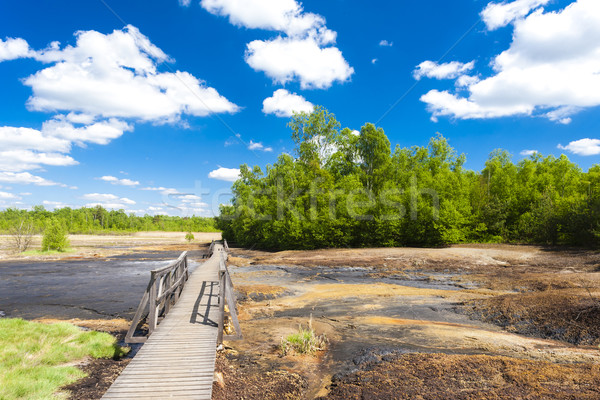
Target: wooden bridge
(186,318)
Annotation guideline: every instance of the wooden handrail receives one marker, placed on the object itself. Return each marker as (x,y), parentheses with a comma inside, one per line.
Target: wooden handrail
(163,290)
(226,294)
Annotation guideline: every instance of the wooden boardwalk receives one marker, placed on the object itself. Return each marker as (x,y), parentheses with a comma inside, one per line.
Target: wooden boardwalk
(178,359)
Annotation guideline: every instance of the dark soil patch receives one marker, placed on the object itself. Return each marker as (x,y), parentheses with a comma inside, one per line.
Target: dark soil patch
(101,373)
(244,379)
(442,376)
(567,315)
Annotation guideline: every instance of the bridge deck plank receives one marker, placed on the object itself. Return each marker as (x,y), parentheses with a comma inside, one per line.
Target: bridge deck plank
(178,359)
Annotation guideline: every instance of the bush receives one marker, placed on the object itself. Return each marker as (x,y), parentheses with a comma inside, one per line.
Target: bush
(305,341)
(55,237)
(189,237)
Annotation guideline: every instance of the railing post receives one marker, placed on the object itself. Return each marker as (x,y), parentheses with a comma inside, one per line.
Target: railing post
(153,311)
(221,305)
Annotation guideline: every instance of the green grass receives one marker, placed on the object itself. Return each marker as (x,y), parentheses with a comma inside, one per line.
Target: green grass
(45,253)
(305,341)
(37,359)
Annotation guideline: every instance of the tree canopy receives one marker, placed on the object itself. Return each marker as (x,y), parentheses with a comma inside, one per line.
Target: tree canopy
(347,188)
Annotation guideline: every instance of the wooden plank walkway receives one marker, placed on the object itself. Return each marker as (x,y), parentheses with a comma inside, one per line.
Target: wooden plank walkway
(178,359)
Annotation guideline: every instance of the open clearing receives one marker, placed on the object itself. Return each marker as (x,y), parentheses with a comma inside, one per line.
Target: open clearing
(472,322)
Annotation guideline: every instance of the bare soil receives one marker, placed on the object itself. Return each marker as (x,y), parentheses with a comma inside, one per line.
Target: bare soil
(463,322)
(443,376)
(101,246)
(476,322)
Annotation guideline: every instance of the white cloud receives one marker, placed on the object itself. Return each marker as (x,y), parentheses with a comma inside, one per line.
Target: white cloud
(6,196)
(107,200)
(25,178)
(373,61)
(498,15)
(54,204)
(115,76)
(451,70)
(225,174)
(99,197)
(21,160)
(258,146)
(277,15)
(583,147)
(164,191)
(116,181)
(284,104)
(466,80)
(385,43)
(528,152)
(185,3)
(31,139)
(99,133)
(550,70)
(13,48)
(285,59)
(301,54)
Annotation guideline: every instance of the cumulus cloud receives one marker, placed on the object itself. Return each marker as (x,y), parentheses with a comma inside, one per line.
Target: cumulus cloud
(99,133)
(116,181)
(301,54)
(284,59)
(528,152)
(550,70)
(386,43)
(107,200)
(451,70)
(8,196)
(284,104)
(54,204)
(498,15)
(286,16)
(94,86)
(26,148)
(583,147)
(13,48)
(25,178)
(115,76)
(258,146)
(225,174)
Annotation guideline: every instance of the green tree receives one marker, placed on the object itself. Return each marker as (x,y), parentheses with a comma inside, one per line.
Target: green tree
(55,237)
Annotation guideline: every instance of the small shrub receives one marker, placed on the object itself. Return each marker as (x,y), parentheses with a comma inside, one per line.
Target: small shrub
(22,235)
(305,341)
(189,237)
(55,237)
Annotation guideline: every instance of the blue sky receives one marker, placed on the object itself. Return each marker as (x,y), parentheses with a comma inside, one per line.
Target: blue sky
(150,106)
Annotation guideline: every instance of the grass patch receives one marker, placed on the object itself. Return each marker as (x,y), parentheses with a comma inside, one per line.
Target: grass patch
(305,341)
(36,359)
(46,253)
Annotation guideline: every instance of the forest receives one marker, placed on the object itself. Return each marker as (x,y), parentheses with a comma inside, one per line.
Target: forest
(345,188)
(89,220)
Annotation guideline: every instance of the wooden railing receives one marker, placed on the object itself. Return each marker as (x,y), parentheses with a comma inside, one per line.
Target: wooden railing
(162,292)
(226,294)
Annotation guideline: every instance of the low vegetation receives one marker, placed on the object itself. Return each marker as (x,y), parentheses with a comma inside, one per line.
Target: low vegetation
(55,237)
(345,188)
(36,359)
(189,237)
(89,220)
(304,341)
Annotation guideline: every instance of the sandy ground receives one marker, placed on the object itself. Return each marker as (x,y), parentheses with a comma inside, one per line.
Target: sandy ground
(99,246)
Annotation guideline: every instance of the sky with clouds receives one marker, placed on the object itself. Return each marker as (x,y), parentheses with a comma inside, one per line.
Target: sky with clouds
(151,107)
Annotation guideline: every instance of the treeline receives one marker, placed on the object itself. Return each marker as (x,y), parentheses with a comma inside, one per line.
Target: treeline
(345,188)
(99,220)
